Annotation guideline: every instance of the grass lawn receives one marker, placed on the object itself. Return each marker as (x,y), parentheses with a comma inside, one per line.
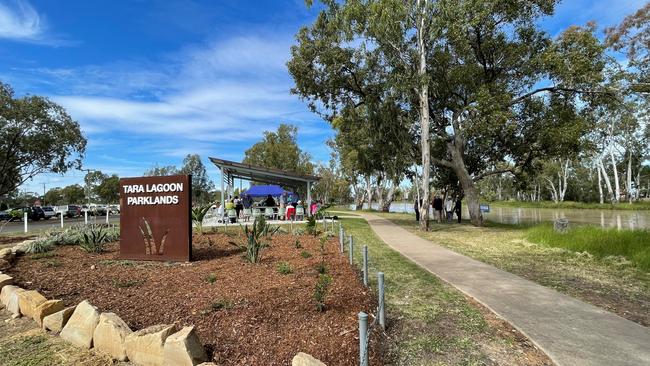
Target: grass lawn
(431,323)
(587,263)
(644,205)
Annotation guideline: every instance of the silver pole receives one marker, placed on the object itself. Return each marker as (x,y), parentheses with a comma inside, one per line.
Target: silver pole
(107,211)
(380,285)
(351,247)
(61,216)
(86,217)
(341,239)
(25,220)
(363,341)
(365,265)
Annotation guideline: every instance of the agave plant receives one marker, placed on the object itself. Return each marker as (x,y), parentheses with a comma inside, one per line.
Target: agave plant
(254,244)
(94,239)
(198,214)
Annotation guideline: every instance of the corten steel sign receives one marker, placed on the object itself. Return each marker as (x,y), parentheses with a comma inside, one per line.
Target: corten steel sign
(155,218)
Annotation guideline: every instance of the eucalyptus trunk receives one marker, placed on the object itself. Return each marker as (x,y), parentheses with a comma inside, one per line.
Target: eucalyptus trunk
(472,197)
(423,94)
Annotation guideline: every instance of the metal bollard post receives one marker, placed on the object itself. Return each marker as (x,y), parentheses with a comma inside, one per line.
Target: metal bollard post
(61,216)
(341,240)
(107,211)
(25,220)
(363,341)
(86,217)
(365,265)
(351,247)
(380,285)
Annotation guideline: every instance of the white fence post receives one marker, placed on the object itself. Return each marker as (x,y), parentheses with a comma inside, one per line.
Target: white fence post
(86,217)
(61,216)
(25,220)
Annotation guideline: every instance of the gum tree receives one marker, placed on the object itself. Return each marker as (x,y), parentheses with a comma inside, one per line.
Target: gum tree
(364,57)
(36,136)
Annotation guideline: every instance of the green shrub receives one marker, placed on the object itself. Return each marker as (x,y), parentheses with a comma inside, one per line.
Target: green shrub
(284,268)
(254,245)
(320,292)
(212,278)
(322,241)
(40,246)
(297,244)
(305,254)
(94,239)
(311,225)
(321,268)
(198,214)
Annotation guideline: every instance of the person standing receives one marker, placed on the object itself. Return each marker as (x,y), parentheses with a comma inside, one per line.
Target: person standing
(437,206)
(283,203)
(458,208)
(449,209)
(416,208)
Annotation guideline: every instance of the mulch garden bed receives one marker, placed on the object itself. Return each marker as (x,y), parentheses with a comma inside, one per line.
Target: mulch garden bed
(245,314)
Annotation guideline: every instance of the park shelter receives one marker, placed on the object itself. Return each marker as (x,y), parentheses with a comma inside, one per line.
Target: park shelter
(231,170)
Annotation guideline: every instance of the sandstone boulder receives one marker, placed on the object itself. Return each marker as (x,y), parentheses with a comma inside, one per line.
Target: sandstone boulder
(146,346)
(7,255)
(29,301)
(47,308)
(110,334)
(9,298)
(5,280)
(303,359)
(183,348)
(81,326)
(58,320)
(21,248)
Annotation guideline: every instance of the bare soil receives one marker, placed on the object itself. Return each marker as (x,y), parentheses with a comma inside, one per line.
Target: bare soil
(250,314)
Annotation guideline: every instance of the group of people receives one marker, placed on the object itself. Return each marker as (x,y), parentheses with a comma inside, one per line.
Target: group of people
(449,206)
(284,204)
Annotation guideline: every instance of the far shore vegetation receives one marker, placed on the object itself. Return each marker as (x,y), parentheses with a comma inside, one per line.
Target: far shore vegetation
(640,205)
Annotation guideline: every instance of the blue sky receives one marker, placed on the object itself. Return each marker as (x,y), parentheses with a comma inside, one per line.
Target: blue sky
(151,81)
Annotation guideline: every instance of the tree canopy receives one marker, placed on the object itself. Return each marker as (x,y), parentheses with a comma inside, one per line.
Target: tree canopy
(279,149)
(36,136)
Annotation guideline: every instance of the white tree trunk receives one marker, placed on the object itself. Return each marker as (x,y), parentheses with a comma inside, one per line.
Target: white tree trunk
(553,190)
(423,94)
(629,177)
(368,180)
(617,185)
(608,183)
(600,186)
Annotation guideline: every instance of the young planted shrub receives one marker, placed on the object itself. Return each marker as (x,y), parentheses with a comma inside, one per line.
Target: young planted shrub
(311,226)
(284,268)
(211,278)
(321,268)
(305,254)
(94,238)
(320,292)
(198,214)
(254,245)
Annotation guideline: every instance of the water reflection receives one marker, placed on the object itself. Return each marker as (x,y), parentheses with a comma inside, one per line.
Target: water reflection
(621,219)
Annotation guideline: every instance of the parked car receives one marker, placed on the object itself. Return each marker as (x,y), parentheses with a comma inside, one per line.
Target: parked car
(33,213)
(114,209)
(5,216)
(68,211)
(97,210)
(49,212)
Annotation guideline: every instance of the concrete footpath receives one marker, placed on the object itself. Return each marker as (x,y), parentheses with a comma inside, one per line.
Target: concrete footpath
(569,331)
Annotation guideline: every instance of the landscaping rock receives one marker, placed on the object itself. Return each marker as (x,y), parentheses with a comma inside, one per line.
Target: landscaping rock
(110,334)
(207,364)
(303,359)
(47,308)
(5,280)
(21,248)
(146,346)
(9,297)
(58,320)
(29,301)
(81,325)
(183,348)
(7,255)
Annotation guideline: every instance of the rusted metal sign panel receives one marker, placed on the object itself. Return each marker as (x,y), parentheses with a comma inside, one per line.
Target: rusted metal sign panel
(155,218)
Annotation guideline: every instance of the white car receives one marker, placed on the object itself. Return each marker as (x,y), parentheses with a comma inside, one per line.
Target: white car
(49,212)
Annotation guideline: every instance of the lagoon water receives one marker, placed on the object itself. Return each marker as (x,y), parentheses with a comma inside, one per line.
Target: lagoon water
(621,219)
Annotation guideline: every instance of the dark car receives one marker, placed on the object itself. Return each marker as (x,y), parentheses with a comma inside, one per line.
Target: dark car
(33,213)
(5,216)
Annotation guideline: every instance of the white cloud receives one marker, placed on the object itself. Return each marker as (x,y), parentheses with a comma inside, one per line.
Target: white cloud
(20,22)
